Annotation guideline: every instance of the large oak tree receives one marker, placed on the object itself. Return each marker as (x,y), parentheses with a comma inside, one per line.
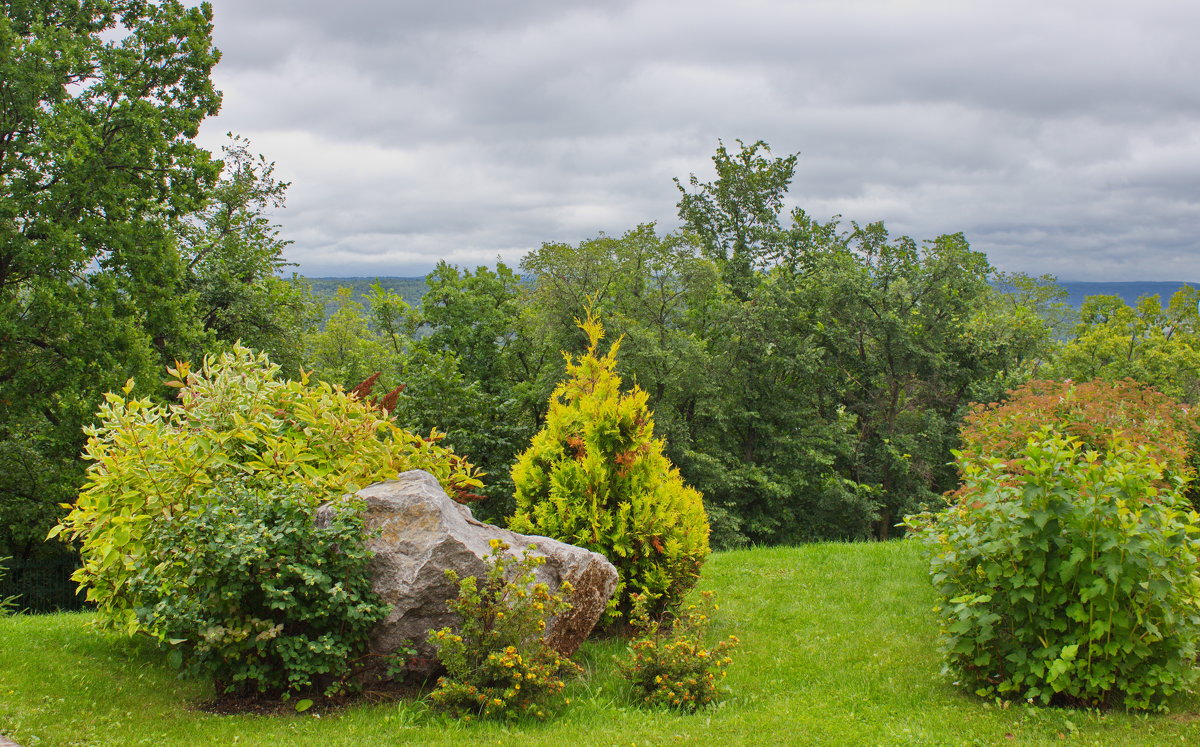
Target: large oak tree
(99,103)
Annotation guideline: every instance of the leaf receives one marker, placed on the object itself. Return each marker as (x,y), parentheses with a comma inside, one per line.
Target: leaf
(120,535)
(303,705)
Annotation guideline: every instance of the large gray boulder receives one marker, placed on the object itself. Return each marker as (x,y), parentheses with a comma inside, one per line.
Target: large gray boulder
(417,533)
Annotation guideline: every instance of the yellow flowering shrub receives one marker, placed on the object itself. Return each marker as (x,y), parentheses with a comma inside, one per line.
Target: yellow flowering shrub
(671,665)
(497,665)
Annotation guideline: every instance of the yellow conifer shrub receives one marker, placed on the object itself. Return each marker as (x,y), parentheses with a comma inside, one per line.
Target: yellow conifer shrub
(595,476)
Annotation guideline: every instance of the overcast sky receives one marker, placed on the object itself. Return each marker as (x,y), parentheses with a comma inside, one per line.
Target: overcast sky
(1061,136)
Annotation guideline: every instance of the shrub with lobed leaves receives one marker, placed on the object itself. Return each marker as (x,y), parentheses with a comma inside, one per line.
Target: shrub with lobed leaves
(595,476)
(250,592)
(498,665)
(234,420)
(671,666)
(1068,575)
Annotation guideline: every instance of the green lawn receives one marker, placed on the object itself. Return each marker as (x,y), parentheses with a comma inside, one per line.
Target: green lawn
(837,648)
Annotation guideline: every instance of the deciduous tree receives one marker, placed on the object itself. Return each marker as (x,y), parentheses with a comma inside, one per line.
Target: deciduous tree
(1148,343)
(736,216)
(234,257)
(99,102)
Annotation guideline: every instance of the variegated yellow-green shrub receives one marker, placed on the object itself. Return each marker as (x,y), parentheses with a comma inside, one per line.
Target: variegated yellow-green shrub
(234,420)
(596,476)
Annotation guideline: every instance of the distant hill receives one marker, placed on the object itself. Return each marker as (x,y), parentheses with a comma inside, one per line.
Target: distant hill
(1130,292)
(410,289)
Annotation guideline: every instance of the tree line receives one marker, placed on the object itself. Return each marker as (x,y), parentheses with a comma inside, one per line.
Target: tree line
(809,377)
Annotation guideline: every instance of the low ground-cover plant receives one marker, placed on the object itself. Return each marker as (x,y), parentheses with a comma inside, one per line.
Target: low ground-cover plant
(596,476)
(498,666)
(234,420)
(1068,575)
(251,592)
(670,664)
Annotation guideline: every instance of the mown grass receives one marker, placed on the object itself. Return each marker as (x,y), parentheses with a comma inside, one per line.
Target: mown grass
(837,648)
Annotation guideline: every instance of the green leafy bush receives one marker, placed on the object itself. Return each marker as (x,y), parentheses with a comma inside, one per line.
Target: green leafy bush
(251,592)
(234,419)
(672,666)
(498,665)
(1068,576)
(595,476)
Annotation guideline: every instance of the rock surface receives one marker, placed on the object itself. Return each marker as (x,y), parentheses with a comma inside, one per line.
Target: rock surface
(419,532)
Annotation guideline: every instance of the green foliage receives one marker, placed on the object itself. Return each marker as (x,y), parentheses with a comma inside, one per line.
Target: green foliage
(673,667)
(346,351)
(473,314)
(1068,576)
(775,446)
(325,289)
(233,255)
(741,399)
(234,419)
(907,324)
(101,100)
(1148,343)
(1038,307)
(249,591)
(7,604)
(498,665)
(659,297)
(479,373)
(460,363)
(736,217)
(808,379)
(595,476)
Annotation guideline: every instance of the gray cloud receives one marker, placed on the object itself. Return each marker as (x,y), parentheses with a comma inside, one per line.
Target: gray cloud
(1059,137)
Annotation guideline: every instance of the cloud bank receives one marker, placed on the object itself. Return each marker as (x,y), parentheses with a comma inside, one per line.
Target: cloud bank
(1059,137)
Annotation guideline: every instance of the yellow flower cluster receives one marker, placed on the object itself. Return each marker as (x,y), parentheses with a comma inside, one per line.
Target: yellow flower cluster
(498,665)
(672,667)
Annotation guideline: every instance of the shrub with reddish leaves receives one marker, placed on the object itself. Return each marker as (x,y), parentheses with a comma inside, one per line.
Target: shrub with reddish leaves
(1068,577)
(1093,413)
